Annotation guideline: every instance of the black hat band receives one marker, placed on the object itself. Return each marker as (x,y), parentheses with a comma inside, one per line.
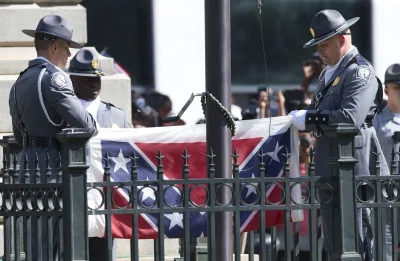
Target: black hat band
(99,73)
(329,32)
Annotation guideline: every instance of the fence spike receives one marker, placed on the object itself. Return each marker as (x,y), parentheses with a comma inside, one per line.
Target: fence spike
(14,161)
(159,157)
(235,156)
(47,160)
(4,161)
(107,165)
(185,157)
(36,161)
(261,155)
(134,166)
(211,156)
(26,169)
(311,154)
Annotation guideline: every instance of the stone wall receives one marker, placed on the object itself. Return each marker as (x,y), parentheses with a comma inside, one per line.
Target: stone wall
(16,49)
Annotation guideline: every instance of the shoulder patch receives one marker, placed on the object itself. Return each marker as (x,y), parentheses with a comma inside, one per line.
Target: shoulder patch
(363,72)
(58,80)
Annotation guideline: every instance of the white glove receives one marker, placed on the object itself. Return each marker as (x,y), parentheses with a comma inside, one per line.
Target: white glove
(299,119)
(292,112)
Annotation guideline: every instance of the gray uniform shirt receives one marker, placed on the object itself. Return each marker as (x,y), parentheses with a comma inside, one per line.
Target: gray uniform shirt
(385,127)
(108,115)
(58,97)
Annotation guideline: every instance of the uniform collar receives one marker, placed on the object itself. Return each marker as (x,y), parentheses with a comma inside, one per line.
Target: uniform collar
(346,59)
(387,115)
(333,67)
(41,60)
(37,61)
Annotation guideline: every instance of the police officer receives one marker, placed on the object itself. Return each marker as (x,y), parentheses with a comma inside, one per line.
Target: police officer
(386,123)
(85,72)
(42,102)
(348,92)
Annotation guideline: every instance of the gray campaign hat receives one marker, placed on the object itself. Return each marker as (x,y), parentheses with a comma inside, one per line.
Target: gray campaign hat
(54,26)
(392,74)
(326,24)
(85,63)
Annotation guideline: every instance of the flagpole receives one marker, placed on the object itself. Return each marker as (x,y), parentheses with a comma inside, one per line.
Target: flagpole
(218,83)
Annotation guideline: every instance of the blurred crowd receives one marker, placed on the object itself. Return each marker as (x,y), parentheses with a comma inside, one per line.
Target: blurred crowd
(149,108)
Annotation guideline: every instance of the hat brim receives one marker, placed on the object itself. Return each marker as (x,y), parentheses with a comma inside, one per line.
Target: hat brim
(395,82)
(83,74)
(346,25)
(32,33)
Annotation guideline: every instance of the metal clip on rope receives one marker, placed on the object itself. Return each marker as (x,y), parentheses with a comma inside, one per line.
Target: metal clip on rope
(204,96)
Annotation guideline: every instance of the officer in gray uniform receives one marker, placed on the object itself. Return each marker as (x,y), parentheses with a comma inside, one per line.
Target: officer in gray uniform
(348,92)
(42,102)
(85,72)
(386,123)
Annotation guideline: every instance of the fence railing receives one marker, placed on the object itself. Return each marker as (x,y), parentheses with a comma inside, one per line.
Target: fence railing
(46,214)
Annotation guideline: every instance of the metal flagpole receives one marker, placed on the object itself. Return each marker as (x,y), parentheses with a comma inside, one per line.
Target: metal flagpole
(218,83)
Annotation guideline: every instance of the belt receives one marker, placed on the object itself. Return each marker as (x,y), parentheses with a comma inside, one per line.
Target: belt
(366,124)
(43,142)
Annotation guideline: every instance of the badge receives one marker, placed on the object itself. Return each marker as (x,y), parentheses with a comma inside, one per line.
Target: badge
(58,80)
(312,32)
(363,72)
(336,81)
(95,64)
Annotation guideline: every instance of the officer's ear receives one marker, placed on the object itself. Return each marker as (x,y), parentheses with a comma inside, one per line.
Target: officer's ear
(341,40)
(386,90)
(54,47)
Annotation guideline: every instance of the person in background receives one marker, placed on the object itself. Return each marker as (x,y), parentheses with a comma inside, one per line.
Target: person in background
(265,104)
(295,98)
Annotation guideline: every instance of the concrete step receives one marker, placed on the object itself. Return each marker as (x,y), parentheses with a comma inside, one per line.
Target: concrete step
(146,247)
(13,60)
(16,17)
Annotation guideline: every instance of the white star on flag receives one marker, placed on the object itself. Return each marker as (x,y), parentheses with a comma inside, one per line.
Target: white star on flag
(120,162)
(274,154)
(148,192)
(252,187)
(176,219)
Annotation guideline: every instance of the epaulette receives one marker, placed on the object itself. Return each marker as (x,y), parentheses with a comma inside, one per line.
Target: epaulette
(361,61)
(50,67)
(108,105)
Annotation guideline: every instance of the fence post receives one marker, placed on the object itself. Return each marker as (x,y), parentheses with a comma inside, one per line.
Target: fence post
(10,148)
(74,166)
(345,221)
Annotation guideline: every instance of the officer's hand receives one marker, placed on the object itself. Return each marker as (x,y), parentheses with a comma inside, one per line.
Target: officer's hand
(299,119)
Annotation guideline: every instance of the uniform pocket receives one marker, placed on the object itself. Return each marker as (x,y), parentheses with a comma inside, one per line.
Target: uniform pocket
(358,142)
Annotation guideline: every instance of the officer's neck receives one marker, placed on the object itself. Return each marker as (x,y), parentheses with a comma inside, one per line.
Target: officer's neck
(49,58)
(394,106)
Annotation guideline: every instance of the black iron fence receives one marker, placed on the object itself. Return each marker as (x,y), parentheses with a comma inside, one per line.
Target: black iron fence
(46,218)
